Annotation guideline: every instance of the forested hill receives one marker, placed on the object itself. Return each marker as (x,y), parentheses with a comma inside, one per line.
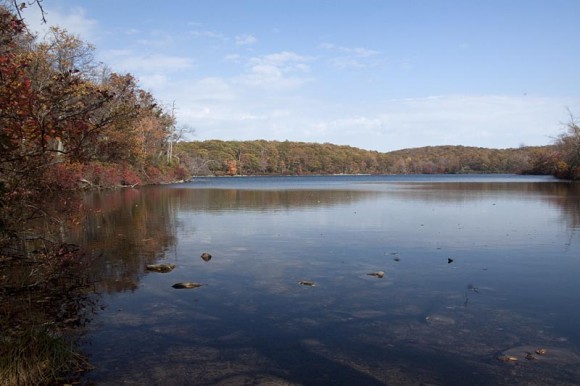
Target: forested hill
(261,157)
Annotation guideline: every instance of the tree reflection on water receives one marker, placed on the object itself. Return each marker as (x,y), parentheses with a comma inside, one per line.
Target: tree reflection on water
(253,323)
(121,232)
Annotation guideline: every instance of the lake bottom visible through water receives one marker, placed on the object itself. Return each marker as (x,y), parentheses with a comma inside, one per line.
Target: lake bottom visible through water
(337,280)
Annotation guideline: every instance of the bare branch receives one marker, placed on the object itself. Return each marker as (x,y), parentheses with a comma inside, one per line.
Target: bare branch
(19,6)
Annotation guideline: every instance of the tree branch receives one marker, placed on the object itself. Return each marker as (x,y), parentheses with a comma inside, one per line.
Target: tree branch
(18,7)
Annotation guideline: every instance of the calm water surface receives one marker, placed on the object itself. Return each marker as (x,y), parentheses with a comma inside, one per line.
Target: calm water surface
(475,267)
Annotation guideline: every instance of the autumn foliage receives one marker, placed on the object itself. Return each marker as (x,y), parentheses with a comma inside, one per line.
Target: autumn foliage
(562,159)
(300,158)
(568,148)
(67,122)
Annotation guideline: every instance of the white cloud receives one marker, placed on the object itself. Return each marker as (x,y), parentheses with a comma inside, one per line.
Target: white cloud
(282,70)
(210,89)
(207,34)
(245,40)
(285,58)
(153,81)
(127,60)
(347,62)
(350,57)
(132,31)
(350,122)
(471,120)
(234,58)
(157,40)
(474,120)
(206,102)
(75,21)
(356,51)
(262,102)
(224,109)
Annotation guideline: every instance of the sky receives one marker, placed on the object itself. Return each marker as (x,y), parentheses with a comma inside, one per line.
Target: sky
(375,74)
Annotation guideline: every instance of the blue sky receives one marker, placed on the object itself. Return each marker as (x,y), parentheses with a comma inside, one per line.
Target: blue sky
(375,74)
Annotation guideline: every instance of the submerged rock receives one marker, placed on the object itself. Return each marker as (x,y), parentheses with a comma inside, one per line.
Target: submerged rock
(205,256)
(160,267)
(473,288)
(307,283)
(367,314)
(186,285)
(379,274)
(552,355)
(507,358)
(439,320)
(541,351)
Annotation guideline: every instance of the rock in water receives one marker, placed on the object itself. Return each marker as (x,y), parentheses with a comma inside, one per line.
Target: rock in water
(186,285)
(546,355)
(160,267)
(541,351)
(529,356)
(205,256)
(439,320)
(507,358)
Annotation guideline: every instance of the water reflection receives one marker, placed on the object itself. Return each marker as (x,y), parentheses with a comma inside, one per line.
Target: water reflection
(261,200)
(511,283)
(124,231)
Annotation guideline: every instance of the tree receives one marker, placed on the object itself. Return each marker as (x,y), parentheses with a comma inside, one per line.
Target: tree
(16,125)
(568,145)
(231,167)
(65,118)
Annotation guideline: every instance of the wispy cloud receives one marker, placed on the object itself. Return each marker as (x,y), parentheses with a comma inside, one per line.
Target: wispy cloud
(157,39)
(153,81)
(245,40)
(279,70)
(350,57)
(347,123)
(224,108)
(132,31)
(208,34)
(234,58)
(128,60)
(356,51)
(211,89)
(74,21)
(473,120)
(286,61)
(261,94)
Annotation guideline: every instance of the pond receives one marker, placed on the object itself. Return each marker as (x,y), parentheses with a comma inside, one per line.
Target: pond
(474,275)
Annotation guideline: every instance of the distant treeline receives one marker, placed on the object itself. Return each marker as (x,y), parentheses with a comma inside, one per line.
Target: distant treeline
(261,157)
